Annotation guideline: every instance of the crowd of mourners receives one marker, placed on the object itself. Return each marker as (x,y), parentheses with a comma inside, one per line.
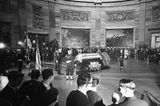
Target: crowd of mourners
(39,91)
(11,58)
(14,91)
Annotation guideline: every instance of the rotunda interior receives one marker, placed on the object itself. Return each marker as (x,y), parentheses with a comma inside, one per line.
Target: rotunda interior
(80,23)
(42,28)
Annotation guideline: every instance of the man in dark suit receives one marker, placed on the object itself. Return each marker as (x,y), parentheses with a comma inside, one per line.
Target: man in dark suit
(50,93)
(92,94)
(58,61)
(127,88)
(10,92)
(24,90)
(79,97)
(43,93)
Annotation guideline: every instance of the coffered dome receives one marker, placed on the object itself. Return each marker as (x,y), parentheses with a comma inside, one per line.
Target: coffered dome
(109,1)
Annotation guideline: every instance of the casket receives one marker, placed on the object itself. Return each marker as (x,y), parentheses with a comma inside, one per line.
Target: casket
(84,56)
(89,61)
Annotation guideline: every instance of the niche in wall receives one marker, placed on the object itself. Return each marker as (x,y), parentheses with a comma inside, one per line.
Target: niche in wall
(119,37)
(75,38)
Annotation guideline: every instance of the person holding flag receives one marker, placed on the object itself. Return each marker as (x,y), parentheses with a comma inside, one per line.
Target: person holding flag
(28,46)
(70,65)
(27,41)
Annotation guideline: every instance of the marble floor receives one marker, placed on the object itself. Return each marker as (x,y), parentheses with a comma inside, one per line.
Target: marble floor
(146,77)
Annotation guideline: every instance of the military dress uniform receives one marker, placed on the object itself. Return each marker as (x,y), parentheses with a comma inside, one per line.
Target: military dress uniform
(121,60)
(58,61)
(70,66)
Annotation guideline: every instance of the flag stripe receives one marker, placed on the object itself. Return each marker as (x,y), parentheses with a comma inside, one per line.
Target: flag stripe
(38,58)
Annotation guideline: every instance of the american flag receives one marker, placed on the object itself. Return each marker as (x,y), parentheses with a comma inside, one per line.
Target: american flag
(38,57)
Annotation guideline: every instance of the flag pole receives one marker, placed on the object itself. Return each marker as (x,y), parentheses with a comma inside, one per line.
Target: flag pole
(38,57)
(27,48)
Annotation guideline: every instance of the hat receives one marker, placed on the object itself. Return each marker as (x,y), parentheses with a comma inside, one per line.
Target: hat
(130,85)
(3,82)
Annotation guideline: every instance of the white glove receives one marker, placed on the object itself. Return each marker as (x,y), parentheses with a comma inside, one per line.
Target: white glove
(116,96)
(68,61)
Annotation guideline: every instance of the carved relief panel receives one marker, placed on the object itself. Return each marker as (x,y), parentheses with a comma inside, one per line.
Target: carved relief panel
(120,15)
(71,15)
(37,17)
(156,13)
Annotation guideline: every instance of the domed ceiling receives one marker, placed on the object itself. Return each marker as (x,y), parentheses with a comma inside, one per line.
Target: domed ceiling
(100,0)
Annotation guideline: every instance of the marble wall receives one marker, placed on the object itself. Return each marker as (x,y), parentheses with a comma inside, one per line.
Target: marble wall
(99,17)
(141,16)
(50,17)
(10,14)
(37,16)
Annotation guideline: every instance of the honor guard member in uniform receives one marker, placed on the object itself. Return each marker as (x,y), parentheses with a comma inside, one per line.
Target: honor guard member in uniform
(70,65)
(58,61)
(121,59)
(20,59)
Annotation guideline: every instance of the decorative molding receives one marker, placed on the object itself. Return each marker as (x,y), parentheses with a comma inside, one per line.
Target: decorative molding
(154,29)
(71,15)
(37,17)
(156,13)
(120,15)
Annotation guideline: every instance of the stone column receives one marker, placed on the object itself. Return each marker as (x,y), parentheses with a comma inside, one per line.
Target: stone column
(51,6)
(142,24)
(97,23)
(57,29)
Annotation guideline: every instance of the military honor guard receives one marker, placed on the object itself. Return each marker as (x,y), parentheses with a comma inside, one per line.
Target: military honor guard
(58,61)
(70,65)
